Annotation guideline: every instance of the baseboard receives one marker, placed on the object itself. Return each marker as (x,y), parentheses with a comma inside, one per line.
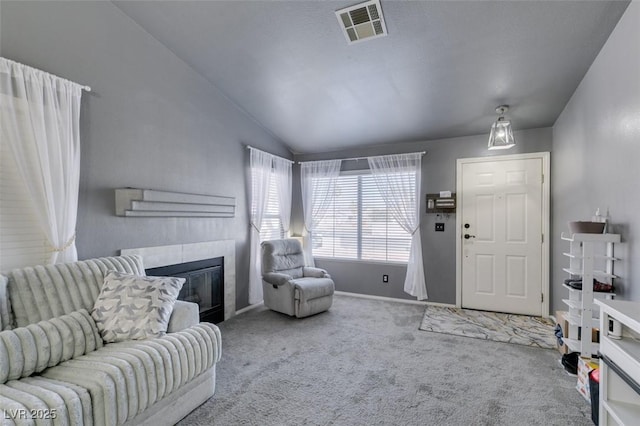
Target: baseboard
(249,308)
(393,299)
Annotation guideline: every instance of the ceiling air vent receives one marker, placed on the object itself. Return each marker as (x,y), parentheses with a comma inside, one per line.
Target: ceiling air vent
(363,21)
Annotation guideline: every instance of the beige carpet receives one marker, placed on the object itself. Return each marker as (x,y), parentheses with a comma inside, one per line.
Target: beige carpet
(499,327)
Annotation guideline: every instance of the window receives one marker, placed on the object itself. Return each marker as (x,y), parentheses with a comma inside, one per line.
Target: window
(359,226)
(271,224)
(22,242)
(271,228)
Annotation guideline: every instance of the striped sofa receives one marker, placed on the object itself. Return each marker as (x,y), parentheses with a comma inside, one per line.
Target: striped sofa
(55,368)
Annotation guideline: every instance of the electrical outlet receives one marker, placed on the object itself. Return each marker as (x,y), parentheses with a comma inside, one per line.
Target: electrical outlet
(439,227)
(385,278)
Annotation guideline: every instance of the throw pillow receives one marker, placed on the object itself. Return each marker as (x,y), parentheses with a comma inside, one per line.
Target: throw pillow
(133,307)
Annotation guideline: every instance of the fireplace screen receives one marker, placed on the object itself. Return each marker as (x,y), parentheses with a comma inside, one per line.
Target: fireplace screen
(204,285)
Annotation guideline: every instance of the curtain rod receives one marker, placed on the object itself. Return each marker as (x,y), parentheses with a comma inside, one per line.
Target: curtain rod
(83,87)
(282,158)
(361,158)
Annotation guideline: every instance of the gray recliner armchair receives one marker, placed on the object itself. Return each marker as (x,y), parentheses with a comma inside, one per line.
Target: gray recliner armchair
(290,287)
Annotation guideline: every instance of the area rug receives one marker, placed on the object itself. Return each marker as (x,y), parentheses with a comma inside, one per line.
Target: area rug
(499,327)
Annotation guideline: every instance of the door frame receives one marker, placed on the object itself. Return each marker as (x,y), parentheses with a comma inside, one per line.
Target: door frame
(546,218)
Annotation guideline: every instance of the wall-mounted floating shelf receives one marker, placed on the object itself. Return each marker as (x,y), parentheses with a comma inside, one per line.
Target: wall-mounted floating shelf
(438,204)
(134,202)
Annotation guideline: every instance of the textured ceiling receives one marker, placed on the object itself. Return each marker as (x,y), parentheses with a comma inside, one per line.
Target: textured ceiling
(440,72)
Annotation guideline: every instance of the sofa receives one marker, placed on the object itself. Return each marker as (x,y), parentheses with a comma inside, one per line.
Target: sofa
(56,369)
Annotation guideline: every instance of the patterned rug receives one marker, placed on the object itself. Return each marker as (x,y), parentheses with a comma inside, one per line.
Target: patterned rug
(507,328)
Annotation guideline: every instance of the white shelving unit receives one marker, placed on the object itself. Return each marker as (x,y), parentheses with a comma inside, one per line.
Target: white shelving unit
(587,253)
(620,369)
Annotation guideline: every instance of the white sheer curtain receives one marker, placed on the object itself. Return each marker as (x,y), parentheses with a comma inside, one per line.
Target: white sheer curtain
(318,180)
(282,174)
(42,127)
(260,180)
(398,180)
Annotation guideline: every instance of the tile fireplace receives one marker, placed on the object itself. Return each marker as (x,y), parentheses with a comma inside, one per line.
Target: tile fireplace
(204,285)
(161,256)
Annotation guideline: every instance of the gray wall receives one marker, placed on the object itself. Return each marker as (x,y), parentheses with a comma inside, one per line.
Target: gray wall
(438,174)
(596,149)
(150,122)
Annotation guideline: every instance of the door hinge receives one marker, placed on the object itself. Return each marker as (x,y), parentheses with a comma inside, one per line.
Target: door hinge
(542,178)
(541,297)
(542,238)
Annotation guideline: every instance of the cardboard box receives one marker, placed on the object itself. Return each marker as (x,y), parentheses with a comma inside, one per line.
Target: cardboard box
(564,325)
(561,319)
(585,365)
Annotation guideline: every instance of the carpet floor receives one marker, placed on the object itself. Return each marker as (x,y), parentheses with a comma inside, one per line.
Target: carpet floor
(507,328)
(364,362)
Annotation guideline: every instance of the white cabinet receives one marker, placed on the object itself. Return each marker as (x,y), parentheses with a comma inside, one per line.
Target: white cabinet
(620,366)
(590,256)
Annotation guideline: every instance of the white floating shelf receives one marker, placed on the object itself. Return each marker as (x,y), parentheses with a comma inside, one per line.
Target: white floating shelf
(605,238)
(596,294)
(575,304)
(572,344)
(600,256)
(576,346)
(604,274)
(577,320)
(573,256)
(578,272)
(597,256)
(133,202)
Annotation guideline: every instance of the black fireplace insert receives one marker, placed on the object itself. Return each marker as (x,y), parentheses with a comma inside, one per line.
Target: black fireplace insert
(204,285)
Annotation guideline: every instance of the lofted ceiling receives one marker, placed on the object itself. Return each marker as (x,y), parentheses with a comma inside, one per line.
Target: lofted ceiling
(440,72)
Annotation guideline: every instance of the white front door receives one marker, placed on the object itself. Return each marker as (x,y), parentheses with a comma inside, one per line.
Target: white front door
(501,211)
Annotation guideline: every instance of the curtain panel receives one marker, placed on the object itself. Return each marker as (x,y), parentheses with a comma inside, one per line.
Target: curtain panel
(398,180)
(260,163)
(283,175)
(42,127)
(264,167)
(318,180)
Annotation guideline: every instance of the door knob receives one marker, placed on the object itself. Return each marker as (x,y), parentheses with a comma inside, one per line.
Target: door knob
(467,236)
(466,226)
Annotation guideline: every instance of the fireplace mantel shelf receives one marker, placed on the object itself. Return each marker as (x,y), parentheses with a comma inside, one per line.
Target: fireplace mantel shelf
(135,202)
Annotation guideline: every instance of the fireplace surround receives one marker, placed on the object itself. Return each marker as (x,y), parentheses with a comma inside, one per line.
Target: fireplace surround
(159,256)
(204,285)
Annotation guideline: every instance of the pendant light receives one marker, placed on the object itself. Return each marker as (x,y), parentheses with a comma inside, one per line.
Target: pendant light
(501,136)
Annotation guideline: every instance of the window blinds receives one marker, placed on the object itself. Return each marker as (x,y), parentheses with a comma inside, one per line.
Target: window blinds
(358,225)
(271,228)
(22,243)
(271,224)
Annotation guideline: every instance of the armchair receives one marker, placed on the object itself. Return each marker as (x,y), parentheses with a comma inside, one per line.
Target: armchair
(290,287)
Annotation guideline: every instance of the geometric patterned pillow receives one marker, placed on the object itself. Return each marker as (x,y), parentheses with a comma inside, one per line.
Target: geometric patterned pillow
(133,307)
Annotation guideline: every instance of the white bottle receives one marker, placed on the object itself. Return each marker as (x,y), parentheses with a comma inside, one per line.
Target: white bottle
(597,217)
(606,219)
